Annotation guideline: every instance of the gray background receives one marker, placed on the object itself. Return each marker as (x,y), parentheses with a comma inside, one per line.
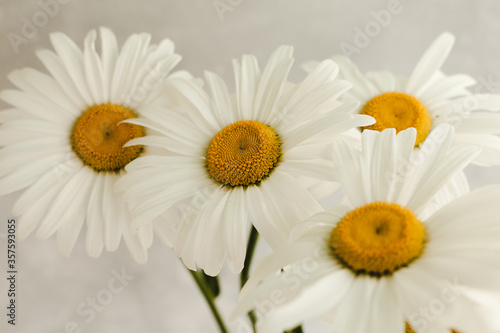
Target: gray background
(162,298)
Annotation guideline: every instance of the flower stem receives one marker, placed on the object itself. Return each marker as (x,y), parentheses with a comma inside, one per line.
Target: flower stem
(252,242)
(210,298)
(297,329)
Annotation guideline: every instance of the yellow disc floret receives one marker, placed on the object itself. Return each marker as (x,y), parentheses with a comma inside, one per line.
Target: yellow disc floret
(98,137)
(243,153)
(378,238)
(399,111)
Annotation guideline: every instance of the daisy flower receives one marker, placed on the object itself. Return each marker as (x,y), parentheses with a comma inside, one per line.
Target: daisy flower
(63,138)
(239,156)
(426,99)
(376,264)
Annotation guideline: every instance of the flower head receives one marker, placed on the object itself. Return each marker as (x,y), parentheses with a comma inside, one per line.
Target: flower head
(375,262)
(64,138)
(240,156)
(426,99)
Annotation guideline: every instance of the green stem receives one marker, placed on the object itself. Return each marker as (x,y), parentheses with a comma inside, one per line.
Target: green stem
(245,273)
(252,242)
(297,329)
(210,298)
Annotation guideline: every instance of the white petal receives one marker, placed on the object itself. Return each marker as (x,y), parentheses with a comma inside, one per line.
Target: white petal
(321,100)
(446,88)
(384,81)
(32,216)
(164,162)
(431,61)
(14,161)
(363,89)
(109,54)
(210,248)
(93,71)
(43,185)
(155,204)
(426,176)
(165,226)
(263,219)
(37,106)
(309,66)
(70,199)
(136,244)
(56,68)
(386,314)
(176,145)
(72,59)
(94,241)
(348,168)
(10,137)
(235,223)
(47,143)
(73,219)
(276,261)
(247,77)
(34,125)
(319,226)
(405,142)
(200,111)
(457,216)
(125,72)
(29,173)
(489,144)
(272,82)
(145,234)
(221,102)
(354,311)
(332,123)
(185,245)
(174,124)
(315,299)
(13,114)
(316,92)
(42,85)
(277,205)
(479,122)
(113,228)
(416,288)
(319,169)
(377,160)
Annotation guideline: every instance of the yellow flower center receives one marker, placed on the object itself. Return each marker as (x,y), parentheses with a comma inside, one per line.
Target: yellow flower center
(243,153)
(399,111)
(98,137)
(378,238)
(410,330)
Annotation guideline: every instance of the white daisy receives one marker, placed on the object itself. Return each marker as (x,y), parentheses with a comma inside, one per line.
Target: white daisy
(426,99)
(63,138)
(374,264)
(240,156)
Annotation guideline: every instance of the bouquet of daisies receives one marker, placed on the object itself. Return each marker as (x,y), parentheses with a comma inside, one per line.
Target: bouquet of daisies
(118,141)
